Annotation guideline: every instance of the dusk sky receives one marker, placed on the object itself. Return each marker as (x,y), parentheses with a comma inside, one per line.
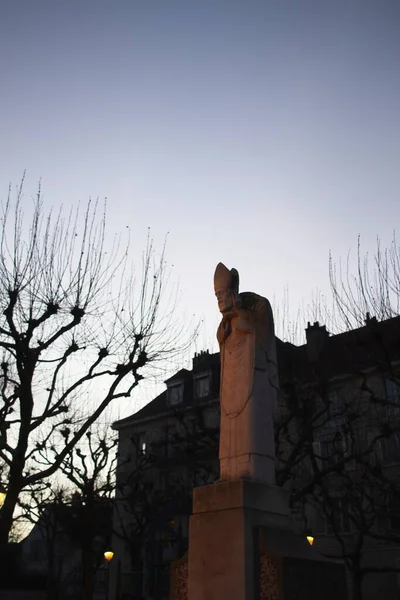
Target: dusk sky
(259,133)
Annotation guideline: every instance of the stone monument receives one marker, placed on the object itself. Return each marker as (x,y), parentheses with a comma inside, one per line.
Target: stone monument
(241,544)
(249,381)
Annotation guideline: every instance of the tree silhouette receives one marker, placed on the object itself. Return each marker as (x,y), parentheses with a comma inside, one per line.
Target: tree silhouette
(77,331)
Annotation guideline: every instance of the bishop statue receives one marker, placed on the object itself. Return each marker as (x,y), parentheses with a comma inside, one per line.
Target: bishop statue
(249,381)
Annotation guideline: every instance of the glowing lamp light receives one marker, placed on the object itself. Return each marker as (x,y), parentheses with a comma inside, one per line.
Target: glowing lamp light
(310,539)
(2,498)
(108,555)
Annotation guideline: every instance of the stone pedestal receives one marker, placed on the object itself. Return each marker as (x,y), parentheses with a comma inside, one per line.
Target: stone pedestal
(223,537)
(241,547)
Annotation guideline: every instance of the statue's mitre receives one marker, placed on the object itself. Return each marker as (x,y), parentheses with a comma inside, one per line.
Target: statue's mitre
(225,279)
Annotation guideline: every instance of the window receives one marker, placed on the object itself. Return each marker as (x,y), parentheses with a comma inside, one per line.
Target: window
(394,515)
(392,395)
(331,452)
(101,581)
(389,449)
(170,438)
(36,549)
(156,442)
(175,394)
(141,444)
(199,477)
(170,481)
(388,509)
(335,409)
(337,516)
(392,389)
(164,481)
(202,385)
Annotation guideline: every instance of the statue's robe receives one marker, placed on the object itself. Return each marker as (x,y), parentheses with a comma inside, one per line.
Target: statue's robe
(248,393)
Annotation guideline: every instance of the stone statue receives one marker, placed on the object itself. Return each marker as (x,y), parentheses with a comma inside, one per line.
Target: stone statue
(249,381)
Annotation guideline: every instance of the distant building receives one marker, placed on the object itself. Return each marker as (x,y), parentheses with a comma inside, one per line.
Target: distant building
(165,449)
(171,446)
(15,585)
(53,549)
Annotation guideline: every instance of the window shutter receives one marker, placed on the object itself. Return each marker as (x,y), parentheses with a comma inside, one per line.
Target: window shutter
(320,524)
(317,453)
(347,451)
(375,448)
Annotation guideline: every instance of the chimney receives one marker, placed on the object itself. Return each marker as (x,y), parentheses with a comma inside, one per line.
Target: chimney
(370,320)
(201,360)
(316,336)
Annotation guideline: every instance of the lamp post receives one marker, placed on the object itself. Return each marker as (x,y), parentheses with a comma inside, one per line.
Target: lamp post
(309,535)
(108,555)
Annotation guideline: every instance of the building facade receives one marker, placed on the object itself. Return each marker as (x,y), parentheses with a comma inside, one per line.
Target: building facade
(338,451)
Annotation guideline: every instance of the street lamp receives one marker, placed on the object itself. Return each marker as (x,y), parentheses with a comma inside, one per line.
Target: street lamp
(108,555)
(310,539)
(2,496)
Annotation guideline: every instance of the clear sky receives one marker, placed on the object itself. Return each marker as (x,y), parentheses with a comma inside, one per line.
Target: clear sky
(260,133)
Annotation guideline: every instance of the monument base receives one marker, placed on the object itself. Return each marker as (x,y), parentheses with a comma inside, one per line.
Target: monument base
(241,547)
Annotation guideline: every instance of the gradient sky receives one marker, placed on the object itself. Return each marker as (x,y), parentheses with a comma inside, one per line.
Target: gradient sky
(262,133)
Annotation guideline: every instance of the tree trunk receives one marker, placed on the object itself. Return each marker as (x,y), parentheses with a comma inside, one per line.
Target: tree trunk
(356,585)
(7,513)
(52,580)
(52,588)
(88,574)
(87,547)
(16,480)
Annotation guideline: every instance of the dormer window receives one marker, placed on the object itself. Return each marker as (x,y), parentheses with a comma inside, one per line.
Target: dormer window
(335,409)
(202,385)
(175,393)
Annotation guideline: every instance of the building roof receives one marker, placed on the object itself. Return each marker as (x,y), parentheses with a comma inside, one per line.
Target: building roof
(155,407)
(375,345)
(337,355)
(181,374)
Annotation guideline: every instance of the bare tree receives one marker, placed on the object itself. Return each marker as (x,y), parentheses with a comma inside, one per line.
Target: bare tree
(336,437)
(78,516)
(77,331)
(363,283)
(360,517)
(91,470)
(370,286)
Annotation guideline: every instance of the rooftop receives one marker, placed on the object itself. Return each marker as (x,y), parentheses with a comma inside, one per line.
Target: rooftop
(333,356)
